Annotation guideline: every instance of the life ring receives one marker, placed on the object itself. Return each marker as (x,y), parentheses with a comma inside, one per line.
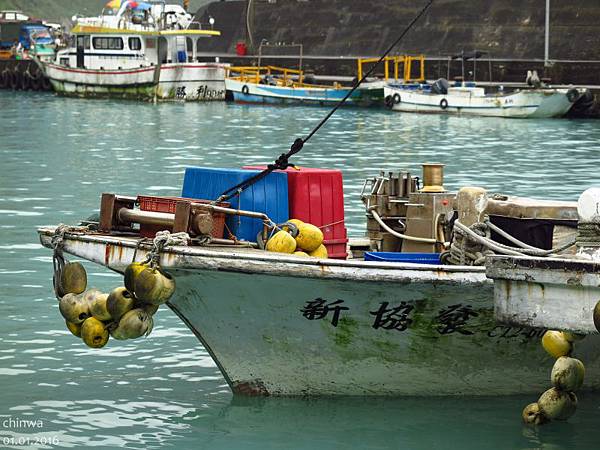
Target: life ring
(572,95)
(389,101)
(15,80)
(397,99)
(444,103)
(245,89)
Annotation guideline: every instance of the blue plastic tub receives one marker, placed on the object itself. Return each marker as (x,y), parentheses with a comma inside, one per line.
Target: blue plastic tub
(415,258)
(269,196)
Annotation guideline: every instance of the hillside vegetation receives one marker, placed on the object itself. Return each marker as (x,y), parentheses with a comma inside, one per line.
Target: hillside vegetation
(64,9)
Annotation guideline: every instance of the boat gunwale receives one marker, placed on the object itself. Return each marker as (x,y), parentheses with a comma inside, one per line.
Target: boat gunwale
(280,264)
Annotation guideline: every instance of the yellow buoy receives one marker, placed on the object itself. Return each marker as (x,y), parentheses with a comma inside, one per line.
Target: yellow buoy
(73,279)
(99,308)
(74,328)
(149,308)
(119,301)
(567,374)
(302,254)
(133,324)
(281,242)
(154,286)
(597,316)
(131,272)
(556,344)
(320,252)
(532,415)
(74,308)
(94,333)
(558,405)
(309,237)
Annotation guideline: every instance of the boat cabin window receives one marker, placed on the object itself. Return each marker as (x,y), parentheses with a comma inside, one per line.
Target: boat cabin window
(108,43)
(83,42)
(135,43)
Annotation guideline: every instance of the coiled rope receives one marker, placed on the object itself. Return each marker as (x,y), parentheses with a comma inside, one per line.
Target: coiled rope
(165,239)
(473,244)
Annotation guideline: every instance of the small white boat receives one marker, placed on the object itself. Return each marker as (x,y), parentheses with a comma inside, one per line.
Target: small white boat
(139,54)
(470,99)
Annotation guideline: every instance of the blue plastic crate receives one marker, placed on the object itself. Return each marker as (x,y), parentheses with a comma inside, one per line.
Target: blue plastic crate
(415,258)
(269,196)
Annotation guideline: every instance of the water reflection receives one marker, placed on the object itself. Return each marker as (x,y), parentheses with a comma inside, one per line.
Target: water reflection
(59,155)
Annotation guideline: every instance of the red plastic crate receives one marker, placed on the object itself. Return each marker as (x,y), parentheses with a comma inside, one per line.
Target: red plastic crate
(317,196)
(168,205)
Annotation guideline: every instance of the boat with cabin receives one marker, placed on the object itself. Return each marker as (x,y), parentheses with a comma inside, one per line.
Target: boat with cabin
(137,50)
(405,310)
(469,98)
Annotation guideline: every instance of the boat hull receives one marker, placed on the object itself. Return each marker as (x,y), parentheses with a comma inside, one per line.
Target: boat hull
(540,103)
(186,81)
(281,325)
(243,92)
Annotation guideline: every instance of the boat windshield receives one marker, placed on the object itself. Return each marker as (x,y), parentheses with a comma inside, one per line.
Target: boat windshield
(41,35)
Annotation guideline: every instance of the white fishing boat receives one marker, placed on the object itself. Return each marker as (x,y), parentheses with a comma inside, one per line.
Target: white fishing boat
(280,324)
(139,51)
(466,98)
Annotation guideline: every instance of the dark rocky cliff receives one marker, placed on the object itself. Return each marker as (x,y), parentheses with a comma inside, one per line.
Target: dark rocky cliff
(507,29)
(511,29)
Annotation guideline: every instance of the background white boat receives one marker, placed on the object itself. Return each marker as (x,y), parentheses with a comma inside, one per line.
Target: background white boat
(469,99)
(137,54)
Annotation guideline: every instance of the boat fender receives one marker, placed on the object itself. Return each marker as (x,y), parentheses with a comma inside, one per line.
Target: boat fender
(444,103)
(572,95)
(397,98)
(4,79)
(25,81)
(46,85)
(389,101)
(245,89)
(15,80)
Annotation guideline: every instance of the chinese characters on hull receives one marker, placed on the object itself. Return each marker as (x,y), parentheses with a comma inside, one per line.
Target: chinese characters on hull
(397,317)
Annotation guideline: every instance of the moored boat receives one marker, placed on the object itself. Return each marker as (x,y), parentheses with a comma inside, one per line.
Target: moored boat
(281,324)
(272,84)
(466,98)
(136,52)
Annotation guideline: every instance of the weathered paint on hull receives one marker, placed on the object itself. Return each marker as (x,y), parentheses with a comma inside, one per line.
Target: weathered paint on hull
(186,82)
(554,293)
(259,317)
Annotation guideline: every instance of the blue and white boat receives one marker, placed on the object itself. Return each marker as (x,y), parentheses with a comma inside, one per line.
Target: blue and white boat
(278,85)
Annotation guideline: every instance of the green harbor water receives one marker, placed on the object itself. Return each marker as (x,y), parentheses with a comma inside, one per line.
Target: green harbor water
(58,155)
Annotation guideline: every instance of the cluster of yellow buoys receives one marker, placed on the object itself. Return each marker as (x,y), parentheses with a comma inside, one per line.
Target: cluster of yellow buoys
(559,402)
(125,313)
(298,238)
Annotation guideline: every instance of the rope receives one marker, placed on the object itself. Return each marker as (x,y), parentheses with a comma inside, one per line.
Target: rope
(282,162)
(165,239)
(58,258)
(472,245)
(588,234)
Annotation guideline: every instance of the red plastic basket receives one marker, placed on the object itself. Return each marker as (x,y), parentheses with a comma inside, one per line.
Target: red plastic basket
(168,205)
